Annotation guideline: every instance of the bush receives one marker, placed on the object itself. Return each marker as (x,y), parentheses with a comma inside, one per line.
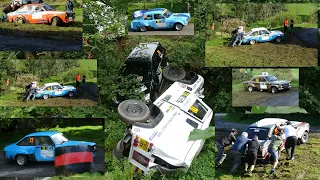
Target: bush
(278,20)
(25,79)
(229,25)
(71,74)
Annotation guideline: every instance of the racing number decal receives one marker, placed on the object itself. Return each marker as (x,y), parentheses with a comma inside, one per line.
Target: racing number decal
(186,93)
(183,97)
(31,140)
(143,144)
(46,152)
(160,23)
(194,109)
(36,16)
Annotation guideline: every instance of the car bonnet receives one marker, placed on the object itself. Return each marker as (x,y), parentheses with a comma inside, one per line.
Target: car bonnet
(280,82)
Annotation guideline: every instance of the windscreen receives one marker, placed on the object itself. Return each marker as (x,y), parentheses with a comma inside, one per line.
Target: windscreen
(271,78)
(59,139)
(262,133)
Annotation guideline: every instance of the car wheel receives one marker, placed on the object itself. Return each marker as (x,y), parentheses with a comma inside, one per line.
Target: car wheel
(132,111)
(252,42)
(46,96)
(250,88)
(278,39)
(304,137)
(143,28)
(274,90)
(55,21)
(70,94)
(21,160)
(178,26)
(173,73)
(19,20)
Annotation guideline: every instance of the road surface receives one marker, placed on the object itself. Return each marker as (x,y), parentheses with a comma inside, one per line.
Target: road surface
(309,36)
(14,43)
(187,30)
(41,169)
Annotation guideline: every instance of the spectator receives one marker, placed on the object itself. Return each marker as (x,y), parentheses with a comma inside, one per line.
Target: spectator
(291,139)
(78,77)
(221,144)
(238,149)
(274,149)
(69,6)
(83,81)
(291,26)
(252,154)
(6,10)
(7,82)
(285,25)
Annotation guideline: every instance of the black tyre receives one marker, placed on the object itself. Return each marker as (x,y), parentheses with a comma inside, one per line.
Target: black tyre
(21,160)
(252,42)
(178,26)
(55,21)
(71,94)
(274,90)
(46,96)
(173,73)
(250,88)
(132,111)
(304,137)
(143,28)
(278,39)
(19,20)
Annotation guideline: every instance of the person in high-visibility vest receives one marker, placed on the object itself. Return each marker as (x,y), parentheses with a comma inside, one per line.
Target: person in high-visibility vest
(285,25)
(78,78)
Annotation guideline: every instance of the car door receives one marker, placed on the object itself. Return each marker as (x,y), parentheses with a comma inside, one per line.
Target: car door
(57,90)
(262,83)
(256,83)
(160,21)
(147,21)
(48,90)
(265,35)
(27,145)
(44,149)
(38,15)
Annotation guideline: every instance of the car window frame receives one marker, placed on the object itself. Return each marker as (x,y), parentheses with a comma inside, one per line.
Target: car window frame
(144,17)
(27,140)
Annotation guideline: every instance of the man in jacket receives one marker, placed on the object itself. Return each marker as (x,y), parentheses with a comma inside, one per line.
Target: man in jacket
(238,149)
(7,10)
(221,144)
(252,155)
(291,139)
(69,6)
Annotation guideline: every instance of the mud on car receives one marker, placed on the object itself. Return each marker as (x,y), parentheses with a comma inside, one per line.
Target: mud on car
(265,128)
(266,83)
(40,146)
(157,136)
(149,63)
(55,90)
(160,18)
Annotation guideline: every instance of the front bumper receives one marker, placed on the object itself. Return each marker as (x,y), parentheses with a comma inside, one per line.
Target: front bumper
(283,87)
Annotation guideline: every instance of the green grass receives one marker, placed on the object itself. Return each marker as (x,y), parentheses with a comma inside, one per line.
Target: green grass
(89,64)
(177,8)
(301,8)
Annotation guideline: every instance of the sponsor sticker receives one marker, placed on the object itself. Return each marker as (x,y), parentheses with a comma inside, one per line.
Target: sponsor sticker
(183,97)
(194,109)
(143,144)
(31,140)
(45,152)
(153,135)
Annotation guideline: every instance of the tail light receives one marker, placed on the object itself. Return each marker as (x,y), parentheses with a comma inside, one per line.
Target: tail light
(140,158)
(136,141)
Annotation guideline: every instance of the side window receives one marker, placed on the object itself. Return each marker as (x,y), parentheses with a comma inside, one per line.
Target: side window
(148,17)
(261,79)
(255,79)
(157,16)
(56,87)
(44,140)
(48,88)
(264,32)
(28,141)
(255,33)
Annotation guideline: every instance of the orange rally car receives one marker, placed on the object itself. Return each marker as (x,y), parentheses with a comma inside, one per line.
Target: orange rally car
(40,14)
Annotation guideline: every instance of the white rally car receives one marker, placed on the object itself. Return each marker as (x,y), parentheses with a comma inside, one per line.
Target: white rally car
(157,136)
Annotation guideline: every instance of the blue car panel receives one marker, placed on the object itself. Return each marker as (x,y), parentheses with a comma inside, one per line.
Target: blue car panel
(55,90)
(159,18)
(262,35)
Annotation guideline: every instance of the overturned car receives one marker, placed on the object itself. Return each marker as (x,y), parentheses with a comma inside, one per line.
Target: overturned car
(157,136)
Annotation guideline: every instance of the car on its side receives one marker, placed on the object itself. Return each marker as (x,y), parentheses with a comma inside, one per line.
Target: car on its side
(149,63)
(55,90)
(266,82)
(262,35)
(40,146)
(160,18)
(266,127)
(40,14)
(157,136)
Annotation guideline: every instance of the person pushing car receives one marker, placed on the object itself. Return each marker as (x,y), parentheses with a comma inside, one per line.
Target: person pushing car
(238,149)
(274,149)
(291,139)
(252,155)
(221,144)
(7,10)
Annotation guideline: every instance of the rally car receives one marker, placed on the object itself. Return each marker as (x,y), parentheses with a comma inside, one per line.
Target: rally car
(55,90)
(265,128)
(149,63)
(262,35)
(157,136)
(160,18)
(266,82)
(40,146)
(40,14)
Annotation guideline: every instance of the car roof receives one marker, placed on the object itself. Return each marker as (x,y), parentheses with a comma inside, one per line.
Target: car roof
(44,133)
(267,122)
(155,10)
(51,84)
(143,52)
(263,75)
(258,29)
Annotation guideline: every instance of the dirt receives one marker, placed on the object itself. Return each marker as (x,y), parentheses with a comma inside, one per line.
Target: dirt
(257,98)
(82,98)
(292,52)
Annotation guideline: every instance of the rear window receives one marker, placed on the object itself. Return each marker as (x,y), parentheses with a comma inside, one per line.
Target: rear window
(198,109)
(262,133)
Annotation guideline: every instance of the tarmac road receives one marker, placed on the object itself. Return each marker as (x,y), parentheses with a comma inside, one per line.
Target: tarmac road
(41,169)
(256,98)
(309,36)
(187,30)
(13,43)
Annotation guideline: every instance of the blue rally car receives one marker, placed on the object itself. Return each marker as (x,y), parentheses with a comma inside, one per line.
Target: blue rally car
(159,18)
(40,146)
(54,90)
(262,35)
